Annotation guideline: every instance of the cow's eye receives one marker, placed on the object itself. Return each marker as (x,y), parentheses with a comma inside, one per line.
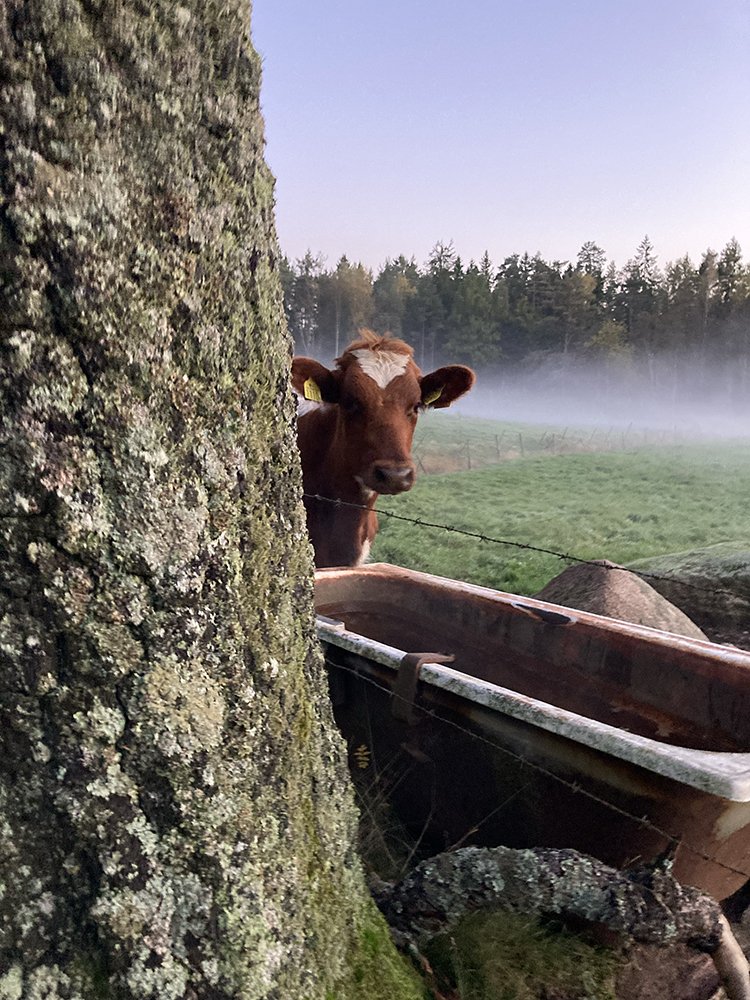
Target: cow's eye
(351,407)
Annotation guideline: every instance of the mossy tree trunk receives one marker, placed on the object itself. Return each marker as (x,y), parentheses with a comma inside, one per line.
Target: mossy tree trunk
(175,819)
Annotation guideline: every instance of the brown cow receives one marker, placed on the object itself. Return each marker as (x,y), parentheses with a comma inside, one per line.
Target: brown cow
(355,429)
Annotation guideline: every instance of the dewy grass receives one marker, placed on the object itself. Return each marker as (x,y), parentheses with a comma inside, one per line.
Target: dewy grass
(503,956)
(385,845)
(621,506)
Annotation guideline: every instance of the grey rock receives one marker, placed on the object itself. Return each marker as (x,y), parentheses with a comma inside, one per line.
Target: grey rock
(711,585)
(604,588)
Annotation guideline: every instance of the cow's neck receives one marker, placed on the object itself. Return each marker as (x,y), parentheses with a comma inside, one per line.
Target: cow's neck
(341,535)
(323,466)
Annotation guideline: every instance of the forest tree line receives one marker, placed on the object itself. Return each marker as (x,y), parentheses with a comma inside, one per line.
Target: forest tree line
(528,309)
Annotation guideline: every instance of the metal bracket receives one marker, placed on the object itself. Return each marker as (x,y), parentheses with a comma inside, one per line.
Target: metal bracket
(405,687)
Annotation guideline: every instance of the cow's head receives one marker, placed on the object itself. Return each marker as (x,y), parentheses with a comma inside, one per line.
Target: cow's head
(378,392)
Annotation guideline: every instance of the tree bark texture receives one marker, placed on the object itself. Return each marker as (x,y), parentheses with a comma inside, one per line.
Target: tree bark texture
(175,819)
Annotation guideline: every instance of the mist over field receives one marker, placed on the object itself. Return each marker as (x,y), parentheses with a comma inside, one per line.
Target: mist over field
(584,344)
(682,395)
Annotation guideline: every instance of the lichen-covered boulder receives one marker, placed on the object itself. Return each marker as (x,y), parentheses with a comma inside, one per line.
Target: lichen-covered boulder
(175,819)
(711,584)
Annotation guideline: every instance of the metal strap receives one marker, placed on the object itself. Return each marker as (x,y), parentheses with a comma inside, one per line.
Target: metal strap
(405,686)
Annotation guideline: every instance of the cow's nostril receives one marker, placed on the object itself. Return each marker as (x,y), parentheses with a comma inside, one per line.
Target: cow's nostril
(387,479)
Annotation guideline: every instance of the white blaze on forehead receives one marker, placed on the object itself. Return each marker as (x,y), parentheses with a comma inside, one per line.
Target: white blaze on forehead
(381,366)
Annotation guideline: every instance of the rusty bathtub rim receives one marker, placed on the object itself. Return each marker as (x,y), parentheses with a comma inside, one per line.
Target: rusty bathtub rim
(720,773)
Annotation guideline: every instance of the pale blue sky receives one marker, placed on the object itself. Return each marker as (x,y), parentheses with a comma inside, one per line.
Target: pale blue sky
(507,126)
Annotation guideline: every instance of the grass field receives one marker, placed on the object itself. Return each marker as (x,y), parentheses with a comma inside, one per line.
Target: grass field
(619,505)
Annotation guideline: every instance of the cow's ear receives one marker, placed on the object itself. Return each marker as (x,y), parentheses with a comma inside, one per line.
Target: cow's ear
(314,381)
(443,387)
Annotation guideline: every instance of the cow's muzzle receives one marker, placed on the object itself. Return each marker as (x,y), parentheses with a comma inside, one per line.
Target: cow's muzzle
(383,478)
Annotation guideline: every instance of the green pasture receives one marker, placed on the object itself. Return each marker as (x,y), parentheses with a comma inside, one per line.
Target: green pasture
(646,500)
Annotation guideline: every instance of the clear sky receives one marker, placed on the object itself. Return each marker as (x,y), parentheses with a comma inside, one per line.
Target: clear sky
(507,125)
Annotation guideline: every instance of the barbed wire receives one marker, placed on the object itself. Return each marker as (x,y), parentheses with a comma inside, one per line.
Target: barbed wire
(573,786)
(480,536)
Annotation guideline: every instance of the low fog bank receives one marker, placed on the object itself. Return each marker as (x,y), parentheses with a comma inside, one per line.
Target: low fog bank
(690,398)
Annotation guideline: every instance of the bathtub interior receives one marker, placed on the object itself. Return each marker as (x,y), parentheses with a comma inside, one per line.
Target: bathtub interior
(675,690)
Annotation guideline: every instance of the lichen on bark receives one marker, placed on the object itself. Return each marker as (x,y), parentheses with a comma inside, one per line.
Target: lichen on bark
(175,814)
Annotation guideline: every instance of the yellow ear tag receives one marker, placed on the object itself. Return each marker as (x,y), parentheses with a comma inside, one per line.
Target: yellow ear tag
(312,391)
(433,396)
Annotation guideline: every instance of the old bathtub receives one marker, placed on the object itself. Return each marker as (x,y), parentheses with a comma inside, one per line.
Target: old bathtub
(550,727)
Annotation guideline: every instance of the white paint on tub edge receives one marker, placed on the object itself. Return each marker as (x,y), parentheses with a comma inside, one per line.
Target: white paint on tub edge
(719,773)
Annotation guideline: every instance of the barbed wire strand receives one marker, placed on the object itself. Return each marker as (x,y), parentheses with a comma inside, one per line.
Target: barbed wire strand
(420,522)
(573,786)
